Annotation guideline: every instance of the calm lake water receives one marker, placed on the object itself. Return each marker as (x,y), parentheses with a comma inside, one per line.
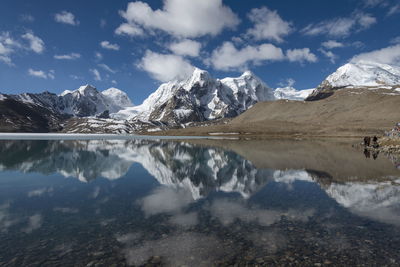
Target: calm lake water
(196,203)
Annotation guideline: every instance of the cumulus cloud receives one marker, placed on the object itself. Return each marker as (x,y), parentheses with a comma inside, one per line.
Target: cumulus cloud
(108,45)
(186,48)
(35,43)
(42,74)
(301,55)
(180,17)
(166,67)
(228,57)
(7,47)
(129,30)
(331,44)
(387,55)
(66,18)
(268,25)
(70,56)
(342,26)
(96,74)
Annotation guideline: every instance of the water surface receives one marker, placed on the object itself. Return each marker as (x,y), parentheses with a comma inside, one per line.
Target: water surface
(196,203)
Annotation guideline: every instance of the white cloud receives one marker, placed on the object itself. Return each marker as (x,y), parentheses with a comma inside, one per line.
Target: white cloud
(332,44)
(186,48)
(7,47)
(183,18)
(301,55)
(395,40)
(42,74)
(394,10)
(108,45)
(27,18)
(129,29)
(114,82)
(98,56)
(35,43)
(373,3)
(228,57)
(166,67)
(268,25)
(96,74)
(387,55)
(70,56)
(342,26)
(329,54)
(66,18)
(107,68)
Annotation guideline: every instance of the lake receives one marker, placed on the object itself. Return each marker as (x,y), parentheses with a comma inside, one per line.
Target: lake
(197,203)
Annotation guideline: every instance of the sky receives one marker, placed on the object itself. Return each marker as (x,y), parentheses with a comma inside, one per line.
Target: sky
(48,45)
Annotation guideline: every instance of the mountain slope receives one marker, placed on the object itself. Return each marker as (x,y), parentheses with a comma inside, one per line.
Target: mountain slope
(351,112)
(199,98)
(362,74)
(17,116)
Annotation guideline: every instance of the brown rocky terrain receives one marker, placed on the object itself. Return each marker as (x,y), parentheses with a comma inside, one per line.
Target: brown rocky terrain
(346,113)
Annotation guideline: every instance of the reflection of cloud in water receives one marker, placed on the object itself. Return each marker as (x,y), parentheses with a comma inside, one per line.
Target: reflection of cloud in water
(66,210)
(228,211)
(181,249)
(270,241)
(34,223)
(166,200)
(184,220)
(378,201)
(6,219)
(39,192)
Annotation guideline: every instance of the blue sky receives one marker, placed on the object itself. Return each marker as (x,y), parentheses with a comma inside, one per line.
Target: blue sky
(137,45)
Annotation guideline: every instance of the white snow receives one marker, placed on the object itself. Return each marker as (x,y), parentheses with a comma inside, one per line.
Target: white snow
(2,97)
(215,97)
(364,74)
(291,93)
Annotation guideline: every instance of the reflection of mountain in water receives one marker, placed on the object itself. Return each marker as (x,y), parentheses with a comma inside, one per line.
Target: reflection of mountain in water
(195,169)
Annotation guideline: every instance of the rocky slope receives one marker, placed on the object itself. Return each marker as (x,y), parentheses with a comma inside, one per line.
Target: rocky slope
(48,112)
(199,98)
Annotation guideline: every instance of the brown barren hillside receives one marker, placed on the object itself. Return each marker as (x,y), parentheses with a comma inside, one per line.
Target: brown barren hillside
(348,112)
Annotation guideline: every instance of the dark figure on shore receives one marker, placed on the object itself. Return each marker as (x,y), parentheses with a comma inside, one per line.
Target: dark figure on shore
(375,142)
(367,154)
(367,141)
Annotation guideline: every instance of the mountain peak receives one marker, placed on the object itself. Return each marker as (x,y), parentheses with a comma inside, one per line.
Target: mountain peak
(248,73)
(363,74)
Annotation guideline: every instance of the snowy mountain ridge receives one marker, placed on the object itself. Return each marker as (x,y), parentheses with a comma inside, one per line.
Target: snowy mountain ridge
(290,93)
(199,98)
(364,74)
(85,101)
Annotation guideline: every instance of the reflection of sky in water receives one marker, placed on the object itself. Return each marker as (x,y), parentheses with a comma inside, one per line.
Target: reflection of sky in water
(132,202)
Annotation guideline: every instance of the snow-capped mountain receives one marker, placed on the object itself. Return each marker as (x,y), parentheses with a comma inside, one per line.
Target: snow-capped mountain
(361,74)
(291,93)
(200,98)
(84,102)
(88,101)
